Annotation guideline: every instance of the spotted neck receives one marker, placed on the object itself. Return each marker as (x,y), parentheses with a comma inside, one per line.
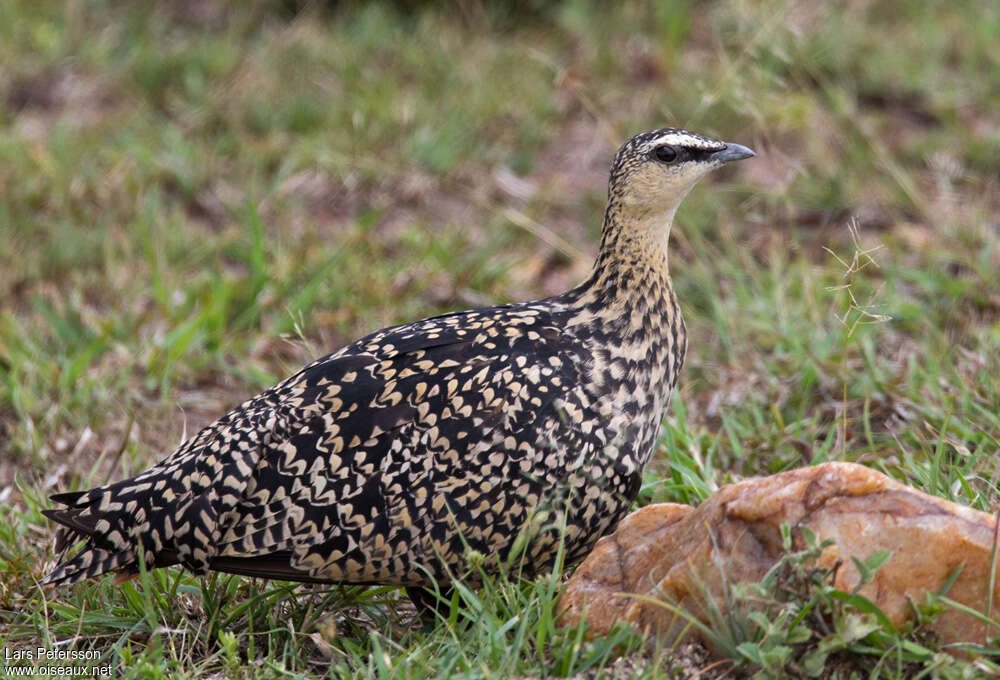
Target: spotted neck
(631,279)
(628,313)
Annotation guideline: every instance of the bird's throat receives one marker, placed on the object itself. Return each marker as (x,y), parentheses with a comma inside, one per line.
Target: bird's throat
(631,279)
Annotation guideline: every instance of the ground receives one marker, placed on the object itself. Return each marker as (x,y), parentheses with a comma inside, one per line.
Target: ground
(196,199)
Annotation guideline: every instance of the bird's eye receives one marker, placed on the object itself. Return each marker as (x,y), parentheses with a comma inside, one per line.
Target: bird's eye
(665,154)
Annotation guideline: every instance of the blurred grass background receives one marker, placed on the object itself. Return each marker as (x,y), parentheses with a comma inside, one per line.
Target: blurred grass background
(196,198)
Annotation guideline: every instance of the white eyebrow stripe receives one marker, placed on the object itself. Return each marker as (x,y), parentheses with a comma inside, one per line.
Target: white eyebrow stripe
(681,139)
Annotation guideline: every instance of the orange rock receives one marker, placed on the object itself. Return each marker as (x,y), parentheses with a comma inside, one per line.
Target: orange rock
(686,554)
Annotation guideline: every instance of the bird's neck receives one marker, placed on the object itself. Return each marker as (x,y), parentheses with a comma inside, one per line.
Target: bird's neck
(631,279)
(628,312)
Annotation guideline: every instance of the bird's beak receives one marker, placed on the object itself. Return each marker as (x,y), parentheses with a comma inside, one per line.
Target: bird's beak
(732,152)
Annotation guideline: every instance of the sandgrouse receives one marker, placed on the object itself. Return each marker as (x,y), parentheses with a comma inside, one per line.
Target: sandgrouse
(499,430)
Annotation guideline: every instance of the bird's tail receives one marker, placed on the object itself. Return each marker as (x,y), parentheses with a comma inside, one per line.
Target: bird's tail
(77,522)
(107,519)
(106,547)
(169,514)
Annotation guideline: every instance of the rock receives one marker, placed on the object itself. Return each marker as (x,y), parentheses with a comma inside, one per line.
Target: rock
(681,553)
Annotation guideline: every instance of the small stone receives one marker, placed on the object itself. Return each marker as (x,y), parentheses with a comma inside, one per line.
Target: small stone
(682,553)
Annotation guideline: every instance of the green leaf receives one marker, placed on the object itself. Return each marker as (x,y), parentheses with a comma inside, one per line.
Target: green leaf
(866,606)
(870,566)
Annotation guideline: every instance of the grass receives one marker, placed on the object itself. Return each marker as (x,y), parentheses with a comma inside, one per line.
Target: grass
(197,199)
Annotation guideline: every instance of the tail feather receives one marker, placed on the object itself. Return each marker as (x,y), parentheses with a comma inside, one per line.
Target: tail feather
(74,526)
(171,513)
(160,515)
(68,497)
(98,556)
(92,561)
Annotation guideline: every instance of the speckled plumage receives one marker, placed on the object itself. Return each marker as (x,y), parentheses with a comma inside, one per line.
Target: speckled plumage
(484,430)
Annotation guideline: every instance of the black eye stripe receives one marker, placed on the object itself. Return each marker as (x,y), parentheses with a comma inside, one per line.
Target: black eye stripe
(681,154)
(701,154)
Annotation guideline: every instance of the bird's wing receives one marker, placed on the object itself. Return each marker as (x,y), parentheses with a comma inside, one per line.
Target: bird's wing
(310,467)
(356,492)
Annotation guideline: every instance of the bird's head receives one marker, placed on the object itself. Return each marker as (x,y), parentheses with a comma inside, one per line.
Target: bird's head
(653,171)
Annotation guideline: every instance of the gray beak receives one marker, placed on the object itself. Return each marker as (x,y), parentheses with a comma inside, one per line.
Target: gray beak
(732,152)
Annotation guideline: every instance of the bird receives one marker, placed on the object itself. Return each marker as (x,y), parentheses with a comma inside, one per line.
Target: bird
(507,432)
